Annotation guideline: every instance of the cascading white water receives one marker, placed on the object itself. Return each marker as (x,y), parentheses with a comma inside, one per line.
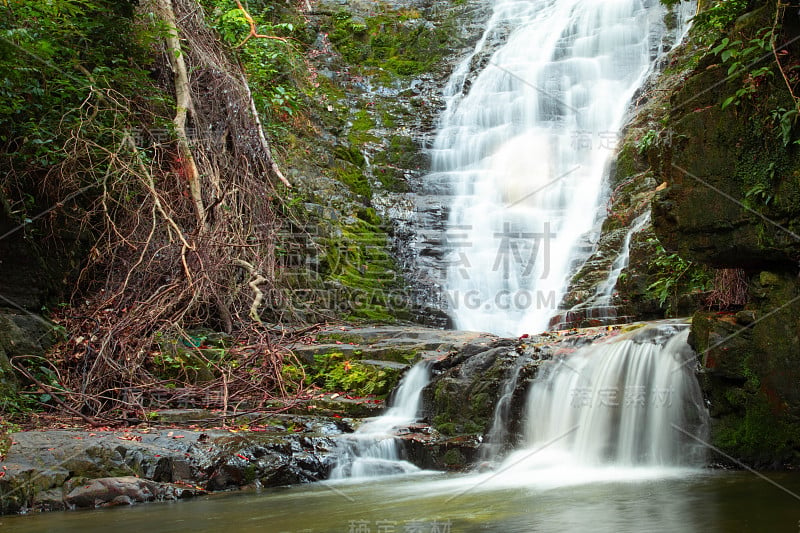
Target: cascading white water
(524,151)
(604,290)
(631,401)
(373,450)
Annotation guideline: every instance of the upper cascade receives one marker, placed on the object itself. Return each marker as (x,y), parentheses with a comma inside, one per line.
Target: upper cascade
(524,151)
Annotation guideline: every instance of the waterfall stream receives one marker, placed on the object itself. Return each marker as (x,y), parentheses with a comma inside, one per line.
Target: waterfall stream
(373,450)
(524,148)
(629,401)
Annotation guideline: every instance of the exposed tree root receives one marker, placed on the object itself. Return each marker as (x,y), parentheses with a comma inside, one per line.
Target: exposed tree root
(185,228)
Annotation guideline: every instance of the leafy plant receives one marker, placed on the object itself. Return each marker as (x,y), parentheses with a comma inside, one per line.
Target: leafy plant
(763,192)
(672,276)
(741,57)
(786,120)
(718,17)
(647,141)
(274,67)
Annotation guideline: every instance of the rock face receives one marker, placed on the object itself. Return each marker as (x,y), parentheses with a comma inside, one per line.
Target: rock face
(380,72)
(56,470)
(750,371)
(731,199)
(21,334)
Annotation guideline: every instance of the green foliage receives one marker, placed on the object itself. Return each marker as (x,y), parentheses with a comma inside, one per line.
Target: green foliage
(6,429)
(194,358)
(673,276)
(336,373)
(647,141)
(55,57)
(275,67)
(393,41)
(763,192)
(719,17)
(741,57)
(786,120)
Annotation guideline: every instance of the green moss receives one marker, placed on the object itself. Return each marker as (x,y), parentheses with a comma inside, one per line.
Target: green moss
(388,119)
(358,274)
(392,40)
(453,459)
(479,401)
(474,427)
(249,473)
(353,176)
(444,427)
(363,121)
(462,411)
(762,436)
(344,338)
(370,216)
(351,154)
(335,373)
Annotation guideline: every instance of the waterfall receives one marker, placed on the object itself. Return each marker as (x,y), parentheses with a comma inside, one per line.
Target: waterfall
(601,308)
(497,435)
(373,450)
(524,147)
(605,289)
(631,401)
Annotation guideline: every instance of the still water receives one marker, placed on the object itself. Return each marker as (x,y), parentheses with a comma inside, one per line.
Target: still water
(609,500)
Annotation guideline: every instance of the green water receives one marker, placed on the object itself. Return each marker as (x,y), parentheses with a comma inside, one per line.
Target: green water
(703,501)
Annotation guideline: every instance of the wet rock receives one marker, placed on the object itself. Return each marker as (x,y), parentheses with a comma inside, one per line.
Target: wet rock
(106,492)
(749,374)
(51,469)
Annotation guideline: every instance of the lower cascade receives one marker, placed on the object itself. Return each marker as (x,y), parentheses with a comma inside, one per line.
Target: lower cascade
(373,450)
(630,401)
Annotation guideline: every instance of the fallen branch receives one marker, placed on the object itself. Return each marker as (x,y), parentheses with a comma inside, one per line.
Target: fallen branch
(262,138)
(779,10)
(92,421)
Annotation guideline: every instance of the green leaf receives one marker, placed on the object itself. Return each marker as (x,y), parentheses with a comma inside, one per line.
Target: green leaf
(728,101)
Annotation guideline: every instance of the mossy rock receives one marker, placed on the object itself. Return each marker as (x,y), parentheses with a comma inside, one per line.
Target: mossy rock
(751,367)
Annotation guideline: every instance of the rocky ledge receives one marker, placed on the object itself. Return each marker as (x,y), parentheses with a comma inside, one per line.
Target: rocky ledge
(188,452)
